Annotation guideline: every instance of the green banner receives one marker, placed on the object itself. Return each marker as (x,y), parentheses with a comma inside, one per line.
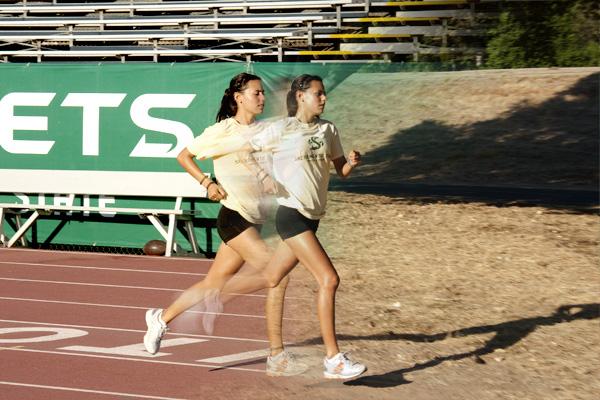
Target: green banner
(123,117)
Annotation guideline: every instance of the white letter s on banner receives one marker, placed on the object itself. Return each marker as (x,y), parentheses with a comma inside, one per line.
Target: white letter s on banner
(139,115)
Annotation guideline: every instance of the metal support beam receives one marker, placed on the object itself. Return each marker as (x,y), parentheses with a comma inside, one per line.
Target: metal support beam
(416,53)
(3,237)
(164,232)
(445,33)
(21,231)
(279,50)
(18,223)
(189,227)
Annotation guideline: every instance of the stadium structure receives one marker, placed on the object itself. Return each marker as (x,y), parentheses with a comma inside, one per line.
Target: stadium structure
(245,30)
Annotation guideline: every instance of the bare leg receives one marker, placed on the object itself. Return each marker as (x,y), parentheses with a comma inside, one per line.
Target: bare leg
(260,258)
(280,263)
(311,254)
(227,263)
(306,248)
(274,314)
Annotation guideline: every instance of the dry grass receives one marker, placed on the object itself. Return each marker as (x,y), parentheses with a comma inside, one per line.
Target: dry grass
(519,127)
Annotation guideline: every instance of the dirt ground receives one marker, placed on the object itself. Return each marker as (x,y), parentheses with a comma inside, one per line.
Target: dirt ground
(461,301)
(458,299)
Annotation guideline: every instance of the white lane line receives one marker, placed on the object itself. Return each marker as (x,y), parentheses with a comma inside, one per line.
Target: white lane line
(133,330)
(24,264)
(136,307)
(237,357)
(89,284)
(100,255)
(62,353)
(134,350)
(131,287)
(71,389)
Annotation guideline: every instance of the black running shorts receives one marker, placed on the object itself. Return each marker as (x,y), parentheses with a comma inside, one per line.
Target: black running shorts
(289,222)
(230,224)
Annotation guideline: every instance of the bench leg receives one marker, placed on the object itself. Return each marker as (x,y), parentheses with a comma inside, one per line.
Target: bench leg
(21,231)
(163,232)
(189,227)
(3,237)
(18,222)
(171,235)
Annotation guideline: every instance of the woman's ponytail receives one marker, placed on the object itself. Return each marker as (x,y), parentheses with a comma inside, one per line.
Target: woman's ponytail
(292,103)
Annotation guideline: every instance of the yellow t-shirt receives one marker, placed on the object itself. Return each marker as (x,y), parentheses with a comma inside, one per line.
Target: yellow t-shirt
(222,142)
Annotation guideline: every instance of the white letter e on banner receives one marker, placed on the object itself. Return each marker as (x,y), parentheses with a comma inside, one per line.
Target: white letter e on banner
(9,123)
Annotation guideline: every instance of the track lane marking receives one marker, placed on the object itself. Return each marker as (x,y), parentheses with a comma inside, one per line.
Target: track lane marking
(90,284)
(136,349)
(71,389)
(100,255)
(130,287)
(140,308)
(135,330)
(264,353)
(142,360)
(23,264)
(11,347)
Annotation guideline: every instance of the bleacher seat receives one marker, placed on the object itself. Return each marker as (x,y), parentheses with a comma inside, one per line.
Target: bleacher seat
(275,30)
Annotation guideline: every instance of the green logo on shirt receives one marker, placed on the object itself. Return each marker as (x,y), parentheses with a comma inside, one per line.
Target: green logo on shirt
(315,143)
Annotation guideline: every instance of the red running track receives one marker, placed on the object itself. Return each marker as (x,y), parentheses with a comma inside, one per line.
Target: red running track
(71,327)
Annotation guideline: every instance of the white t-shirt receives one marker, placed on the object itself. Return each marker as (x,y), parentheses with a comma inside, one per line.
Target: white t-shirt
(302,155)
(221,142)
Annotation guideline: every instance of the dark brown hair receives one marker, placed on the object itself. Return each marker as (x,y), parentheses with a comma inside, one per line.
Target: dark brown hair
(301,83)
(228,104)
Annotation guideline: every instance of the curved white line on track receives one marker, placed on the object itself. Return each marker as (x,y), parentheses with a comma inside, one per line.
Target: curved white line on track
(24,264)
(70,389)
(138,308)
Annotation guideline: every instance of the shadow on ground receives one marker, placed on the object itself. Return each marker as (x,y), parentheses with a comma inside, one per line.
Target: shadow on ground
(553,145)
(506,335)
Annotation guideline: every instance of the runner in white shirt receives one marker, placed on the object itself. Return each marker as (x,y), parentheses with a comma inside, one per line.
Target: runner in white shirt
(303,147)
(244,207)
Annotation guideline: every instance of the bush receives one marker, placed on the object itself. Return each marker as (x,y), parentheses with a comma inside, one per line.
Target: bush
(546,34)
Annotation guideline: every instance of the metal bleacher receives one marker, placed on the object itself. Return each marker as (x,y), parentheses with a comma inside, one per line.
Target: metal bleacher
(243,30)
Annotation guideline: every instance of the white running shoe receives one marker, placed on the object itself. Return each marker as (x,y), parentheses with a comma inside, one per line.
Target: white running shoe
(214,307)
(156,329)
(341,367)
(284,364)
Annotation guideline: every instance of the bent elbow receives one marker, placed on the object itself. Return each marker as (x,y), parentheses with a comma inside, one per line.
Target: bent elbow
(184,156)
